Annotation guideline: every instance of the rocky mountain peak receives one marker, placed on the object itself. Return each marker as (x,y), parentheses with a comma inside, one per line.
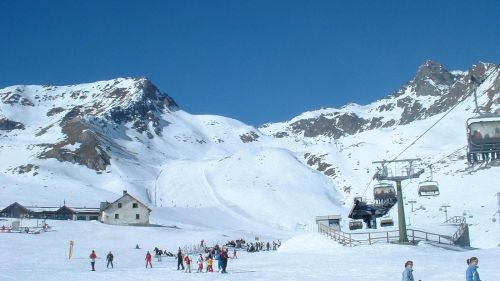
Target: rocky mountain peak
(429,75)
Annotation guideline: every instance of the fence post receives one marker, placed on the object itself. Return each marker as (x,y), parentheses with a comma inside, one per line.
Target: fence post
(387,233)
(369,238)
(350,240)
(426,237)
(413,234)
(439,239)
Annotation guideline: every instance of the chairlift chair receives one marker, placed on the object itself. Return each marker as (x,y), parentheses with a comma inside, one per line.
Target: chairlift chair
(386,221)
(483,138)
(384,192)
(428,188)
(355,225)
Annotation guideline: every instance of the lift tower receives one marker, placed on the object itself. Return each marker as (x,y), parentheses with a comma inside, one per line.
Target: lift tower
(398,171)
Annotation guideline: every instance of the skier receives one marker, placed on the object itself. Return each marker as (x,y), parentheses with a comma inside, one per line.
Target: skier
(408,272)
(158,253)
(210,262)
(92,257)
(200,263)
(268,245)
(179,260)
(471,274)
(235,256)
(223,260)
(109,259)
(217,258)
(187,261)
(148,260)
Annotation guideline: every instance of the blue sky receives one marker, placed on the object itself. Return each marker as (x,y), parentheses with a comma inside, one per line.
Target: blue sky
(256,61)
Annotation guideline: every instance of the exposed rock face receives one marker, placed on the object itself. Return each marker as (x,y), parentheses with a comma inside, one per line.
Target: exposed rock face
(144,110)
(54,111)
(319,163)
(337,127)
(13,98)
(9,125)
(88,151)
(140,105)
(249,137)
(24,169)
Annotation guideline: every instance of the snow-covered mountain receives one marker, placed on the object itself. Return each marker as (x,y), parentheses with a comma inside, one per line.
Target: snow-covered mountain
(86,143)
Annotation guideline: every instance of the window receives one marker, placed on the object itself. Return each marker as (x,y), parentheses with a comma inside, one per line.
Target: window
(119,205)
(137,216)
(135,205)
(117,216)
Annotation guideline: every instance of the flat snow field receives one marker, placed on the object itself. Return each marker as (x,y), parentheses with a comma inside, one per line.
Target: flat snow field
(303,256)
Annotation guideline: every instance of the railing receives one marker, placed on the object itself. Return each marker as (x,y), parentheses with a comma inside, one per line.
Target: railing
(462,228)
(359,238)
(455,220)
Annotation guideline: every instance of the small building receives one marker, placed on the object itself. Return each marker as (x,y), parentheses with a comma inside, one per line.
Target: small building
(332,221)
(126,210)
(15,210)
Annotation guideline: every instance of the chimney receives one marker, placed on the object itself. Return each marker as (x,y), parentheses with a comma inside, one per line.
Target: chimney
(124,192)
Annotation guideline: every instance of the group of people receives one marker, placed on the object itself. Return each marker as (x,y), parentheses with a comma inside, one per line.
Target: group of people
(263,246)
(471,274)
(216,253)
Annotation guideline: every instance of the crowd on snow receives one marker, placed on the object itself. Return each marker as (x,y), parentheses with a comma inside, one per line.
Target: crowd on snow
(205,258)
(221,255)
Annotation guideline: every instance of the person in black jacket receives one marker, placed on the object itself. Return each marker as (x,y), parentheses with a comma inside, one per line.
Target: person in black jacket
(109,259)
(223,258)
(179,260)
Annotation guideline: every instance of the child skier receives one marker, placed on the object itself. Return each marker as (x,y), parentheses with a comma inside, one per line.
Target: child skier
(200,263)
(209,264)
(187,261)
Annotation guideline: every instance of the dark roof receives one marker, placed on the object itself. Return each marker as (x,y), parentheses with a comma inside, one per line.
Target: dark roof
(13,205)
(126,194)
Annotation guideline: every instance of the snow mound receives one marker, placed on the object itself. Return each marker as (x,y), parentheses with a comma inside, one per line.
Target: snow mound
(308,242)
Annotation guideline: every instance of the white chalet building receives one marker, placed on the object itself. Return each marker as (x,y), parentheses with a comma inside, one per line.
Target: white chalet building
(126,210)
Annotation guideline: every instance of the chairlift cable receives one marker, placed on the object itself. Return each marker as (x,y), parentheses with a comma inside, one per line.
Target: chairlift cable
(441,118)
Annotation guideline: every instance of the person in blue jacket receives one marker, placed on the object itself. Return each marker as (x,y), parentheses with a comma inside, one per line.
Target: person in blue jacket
(408,272)
(471,274)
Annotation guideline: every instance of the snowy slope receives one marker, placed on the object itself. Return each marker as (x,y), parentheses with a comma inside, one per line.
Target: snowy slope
(86,143)
(142,142)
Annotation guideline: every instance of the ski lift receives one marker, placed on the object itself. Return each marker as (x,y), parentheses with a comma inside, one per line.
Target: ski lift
(384,192)
(483,137)
(386,221)
(429,187)
(355,225)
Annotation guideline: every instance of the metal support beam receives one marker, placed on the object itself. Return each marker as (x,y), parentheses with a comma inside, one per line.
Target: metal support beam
(403,237)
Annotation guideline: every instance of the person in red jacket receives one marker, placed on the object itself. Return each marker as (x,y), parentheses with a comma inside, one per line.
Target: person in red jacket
(187,261)
(92,257)
(148,260)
